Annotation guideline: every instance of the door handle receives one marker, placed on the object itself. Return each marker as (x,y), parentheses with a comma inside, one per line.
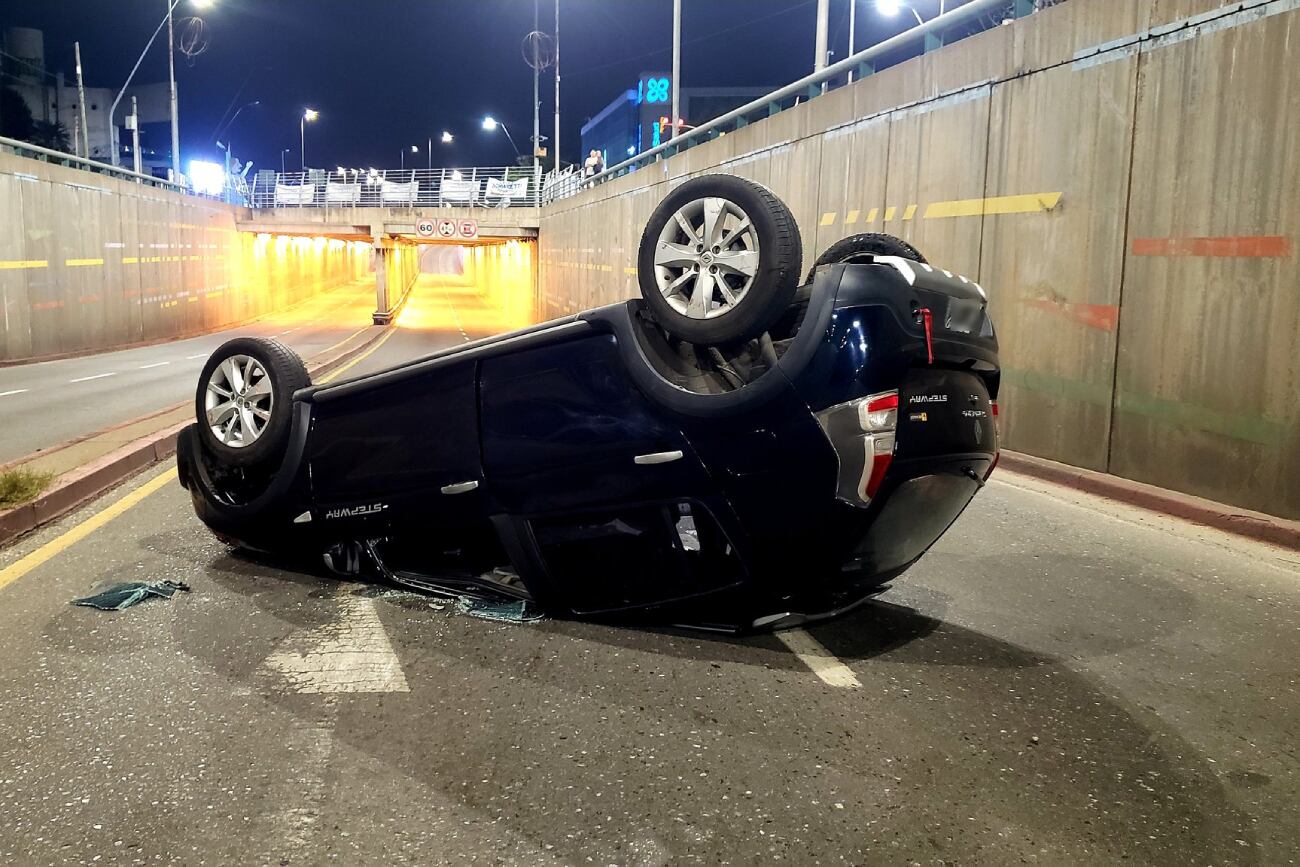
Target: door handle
(658,457)
(460,487)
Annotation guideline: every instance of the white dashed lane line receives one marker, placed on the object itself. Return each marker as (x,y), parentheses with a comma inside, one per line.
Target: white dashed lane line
(155,364)
(192,357)
(15,391)
(823,663)
(89,378)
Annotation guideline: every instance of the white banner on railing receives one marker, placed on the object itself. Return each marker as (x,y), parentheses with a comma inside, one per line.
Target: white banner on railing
(460,191)
(340,194)
(392,191)
(516,189)
(294,194)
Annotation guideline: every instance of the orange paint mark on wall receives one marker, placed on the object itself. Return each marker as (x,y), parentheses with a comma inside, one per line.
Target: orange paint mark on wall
(1249,246)
(1104,317)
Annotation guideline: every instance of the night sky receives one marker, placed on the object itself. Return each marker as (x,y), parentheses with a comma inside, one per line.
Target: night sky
(389,73)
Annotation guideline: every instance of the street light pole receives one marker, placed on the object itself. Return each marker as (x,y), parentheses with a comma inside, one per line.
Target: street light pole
(823,25)
(283,151)
(171,73)
(81,101)
(853,26)
(555,139)
(308,114)
(537,108)
(677,64)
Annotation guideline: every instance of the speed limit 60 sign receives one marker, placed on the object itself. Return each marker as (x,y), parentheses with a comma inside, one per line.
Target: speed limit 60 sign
(424,228)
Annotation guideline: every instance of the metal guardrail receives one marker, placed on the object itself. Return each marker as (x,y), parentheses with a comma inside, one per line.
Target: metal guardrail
(44,154)
(557,186)
(476,187)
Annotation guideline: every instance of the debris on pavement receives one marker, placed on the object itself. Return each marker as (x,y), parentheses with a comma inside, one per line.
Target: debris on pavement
(513,611)
(129,593)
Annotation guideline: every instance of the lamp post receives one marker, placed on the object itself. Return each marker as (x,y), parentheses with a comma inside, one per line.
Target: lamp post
(309,115)
(112,111)
(445,138)
(283,152)
(402,154)
(890,8)
(490,123)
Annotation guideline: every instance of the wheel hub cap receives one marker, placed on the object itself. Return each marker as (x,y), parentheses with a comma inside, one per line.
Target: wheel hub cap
(706,258)
(238,401)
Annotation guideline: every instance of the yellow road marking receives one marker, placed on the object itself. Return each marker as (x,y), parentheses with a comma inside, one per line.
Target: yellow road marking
(16,264)
(72,536)
(909,213)
(851,217)
(889,213)
(329,377)
(872,214)
(76,263)
(828,218)
(349,337)
(630,271)
(1025,204)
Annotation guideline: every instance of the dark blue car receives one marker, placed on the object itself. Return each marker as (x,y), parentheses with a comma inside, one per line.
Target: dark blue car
(732,450)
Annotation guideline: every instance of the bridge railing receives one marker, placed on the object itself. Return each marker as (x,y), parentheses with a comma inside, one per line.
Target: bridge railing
(476,187)
(47,155)
(965,20)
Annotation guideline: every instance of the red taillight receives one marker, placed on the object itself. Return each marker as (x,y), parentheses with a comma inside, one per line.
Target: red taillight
(879,466)
(995,409)
(888,401)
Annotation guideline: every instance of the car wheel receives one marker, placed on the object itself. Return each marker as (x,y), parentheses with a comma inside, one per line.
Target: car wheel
(244,400)
(860,248)
(719,260)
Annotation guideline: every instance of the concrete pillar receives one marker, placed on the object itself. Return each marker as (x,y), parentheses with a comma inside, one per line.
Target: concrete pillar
(382,256)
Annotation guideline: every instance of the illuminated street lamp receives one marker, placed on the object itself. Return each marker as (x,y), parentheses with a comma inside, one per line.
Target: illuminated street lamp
(171,65)
(490,123)
(402,154)
(445,138)
(890,8)
(309,115)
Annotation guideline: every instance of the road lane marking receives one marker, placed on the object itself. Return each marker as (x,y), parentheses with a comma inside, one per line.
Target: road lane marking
(329,377)
(192,357)
(155,364)
(70,537)
(823,663)
(351,654)
(89,378)
(15,391)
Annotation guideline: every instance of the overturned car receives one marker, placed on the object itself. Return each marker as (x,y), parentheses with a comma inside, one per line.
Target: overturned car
(733,450)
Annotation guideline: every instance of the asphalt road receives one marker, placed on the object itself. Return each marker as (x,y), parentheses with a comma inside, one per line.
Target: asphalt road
(49,402)
(1061,680)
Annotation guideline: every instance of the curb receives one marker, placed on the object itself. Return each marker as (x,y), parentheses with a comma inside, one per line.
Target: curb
(1240,522)
(88,481)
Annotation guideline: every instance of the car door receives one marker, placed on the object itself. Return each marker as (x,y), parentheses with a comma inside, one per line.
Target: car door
(619,507)
(403,447)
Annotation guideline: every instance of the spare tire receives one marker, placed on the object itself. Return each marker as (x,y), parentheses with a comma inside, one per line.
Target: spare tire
(860,248)
(244,400)
(719,260)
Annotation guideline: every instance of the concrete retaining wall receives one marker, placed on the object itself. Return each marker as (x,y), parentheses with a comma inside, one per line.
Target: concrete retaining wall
(1120,176)
(89,262)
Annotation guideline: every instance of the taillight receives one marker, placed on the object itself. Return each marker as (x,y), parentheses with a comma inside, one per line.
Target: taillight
(997,442)
(862,432)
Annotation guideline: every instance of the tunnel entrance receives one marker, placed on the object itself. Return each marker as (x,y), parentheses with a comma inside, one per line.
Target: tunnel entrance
(481,289)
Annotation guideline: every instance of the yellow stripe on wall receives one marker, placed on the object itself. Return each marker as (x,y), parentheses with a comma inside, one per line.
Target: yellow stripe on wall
(828,218)
(1024,204)
(79,263)
(17,264)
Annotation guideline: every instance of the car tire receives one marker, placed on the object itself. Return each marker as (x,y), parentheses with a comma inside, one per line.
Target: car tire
(735,286)
(860,248)
(245,397)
